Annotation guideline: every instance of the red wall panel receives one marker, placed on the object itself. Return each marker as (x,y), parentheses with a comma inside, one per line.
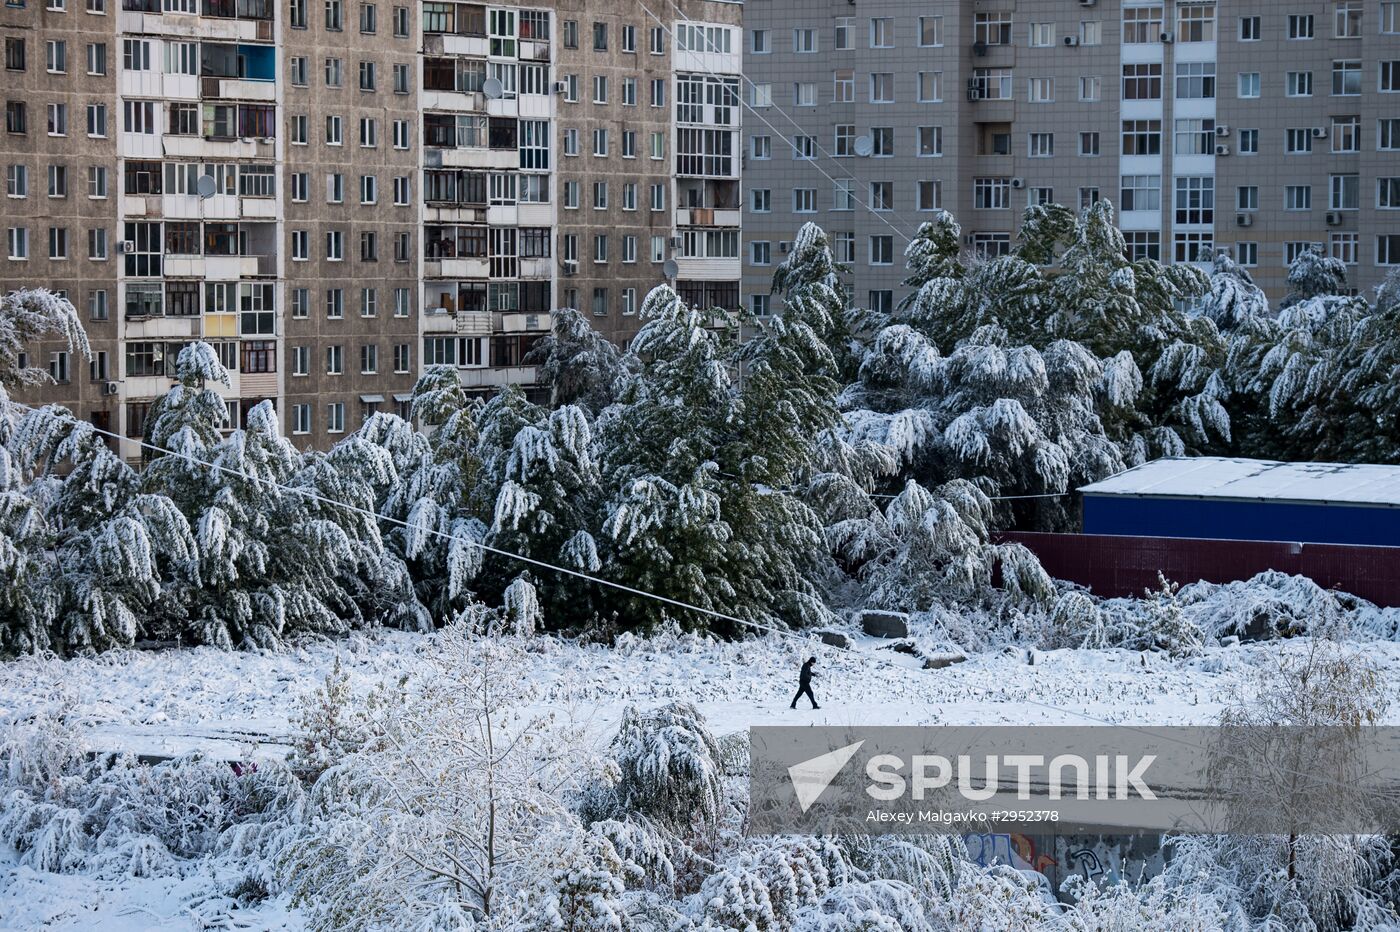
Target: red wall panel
(1111,565)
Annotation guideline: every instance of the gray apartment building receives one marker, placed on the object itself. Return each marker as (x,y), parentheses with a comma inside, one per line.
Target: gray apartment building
(1255,126)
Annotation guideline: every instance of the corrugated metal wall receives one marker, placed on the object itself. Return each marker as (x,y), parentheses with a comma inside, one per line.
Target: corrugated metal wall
(1113,565)
(1225,519)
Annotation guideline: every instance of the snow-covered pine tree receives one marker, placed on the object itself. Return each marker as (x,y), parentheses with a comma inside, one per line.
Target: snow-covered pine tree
(579,365)
(786,399)
(27,317)
(934,252)
(1313,274)
(1292,369)
(270,559)
(661,447)
(1233,300)
(932,546)
(29,602)
(112,541)
(436,495)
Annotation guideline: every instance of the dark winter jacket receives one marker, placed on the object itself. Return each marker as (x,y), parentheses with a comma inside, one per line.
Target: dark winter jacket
(805,677)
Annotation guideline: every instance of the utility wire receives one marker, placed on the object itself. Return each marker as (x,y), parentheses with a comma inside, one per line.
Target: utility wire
(765,121)
(787,116)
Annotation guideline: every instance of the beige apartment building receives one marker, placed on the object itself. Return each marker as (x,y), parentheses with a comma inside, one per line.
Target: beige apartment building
(337,194)
(1261,127)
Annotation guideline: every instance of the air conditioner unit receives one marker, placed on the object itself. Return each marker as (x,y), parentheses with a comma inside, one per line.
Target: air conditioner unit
(1244,220)
(974,94)
(676,242)
(561,87)
(1319,132)
(126,245)
(570,268)
(110,388)
(266,140)
(1222,149)
(1017,183)
(1222,130)
(1167,38)
(1334,219)
(1070,41)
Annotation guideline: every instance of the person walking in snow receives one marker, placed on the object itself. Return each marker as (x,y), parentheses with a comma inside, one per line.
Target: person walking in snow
(804,684)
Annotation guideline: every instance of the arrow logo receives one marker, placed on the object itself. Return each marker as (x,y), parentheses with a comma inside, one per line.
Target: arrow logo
(811,777)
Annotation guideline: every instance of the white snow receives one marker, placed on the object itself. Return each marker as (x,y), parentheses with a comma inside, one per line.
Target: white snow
(241,705)
(1232,477)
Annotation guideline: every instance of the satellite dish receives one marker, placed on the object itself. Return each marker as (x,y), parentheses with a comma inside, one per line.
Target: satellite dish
(206,186)
(864,146)
(492,88)
(670,269)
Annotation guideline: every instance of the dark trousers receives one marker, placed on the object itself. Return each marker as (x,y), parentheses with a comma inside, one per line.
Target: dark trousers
(804,690)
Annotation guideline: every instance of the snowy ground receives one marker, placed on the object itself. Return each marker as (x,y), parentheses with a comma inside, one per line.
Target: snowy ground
(242,704)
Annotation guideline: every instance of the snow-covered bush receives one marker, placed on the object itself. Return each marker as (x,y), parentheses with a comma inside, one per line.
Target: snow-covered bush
(67,810)
(460,802)
(668,765)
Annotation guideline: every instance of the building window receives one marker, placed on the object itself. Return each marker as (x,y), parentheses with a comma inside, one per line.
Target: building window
(1388,193)
(1346,78)
(1346,134)
(1195,22)
(1192,247)
(1297,197)
(1142,244)
(1344,192)
(1346,247)
(1089,144)
(930,31)
(1347,17)
(930,141)
(1388,249)
(930,195)
(335,418)
(1249,142)
(1251,29)
(1194,137)
(991,193)
(1040,145)
(1247,197)
(1300,26)
(1142,82)
(1141,192)
(1247,253)
(991,29)
(1195,201)
(882,32)
(1248,84)
(1142,25)
(930,86)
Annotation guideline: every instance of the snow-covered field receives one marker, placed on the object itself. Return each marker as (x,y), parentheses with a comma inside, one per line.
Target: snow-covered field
(244,704)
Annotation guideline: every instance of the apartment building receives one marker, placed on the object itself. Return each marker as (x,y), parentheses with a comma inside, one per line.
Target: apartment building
(649,155)
(337,194)
(59,153)
(1244,125)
